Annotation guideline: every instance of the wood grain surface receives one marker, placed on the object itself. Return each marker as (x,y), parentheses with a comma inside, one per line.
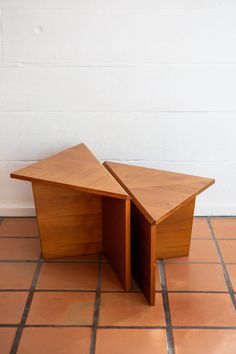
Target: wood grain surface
(70,222)
(173,235)
(162,216)
(81,208)
(116,236)
(74,168)
(157,193)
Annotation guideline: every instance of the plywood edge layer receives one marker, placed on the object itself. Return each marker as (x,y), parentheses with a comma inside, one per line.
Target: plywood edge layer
(78,188)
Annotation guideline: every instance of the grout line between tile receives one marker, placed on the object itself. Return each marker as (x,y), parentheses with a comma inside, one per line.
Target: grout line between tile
(165,262)
(45,262)
(19,331)
(224,269)
(176,262)
(165,299)
(7,325)
(226,238)
(96,309)
(219,216)
(205,327)
(3,325)
(132,327)
(50,290)
(164,327)
(56,326)
(113,291)
(196,292)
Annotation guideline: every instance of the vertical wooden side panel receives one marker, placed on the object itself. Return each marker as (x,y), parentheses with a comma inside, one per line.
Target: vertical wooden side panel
(116,236)
(70,222)
(174,233)
(143,240)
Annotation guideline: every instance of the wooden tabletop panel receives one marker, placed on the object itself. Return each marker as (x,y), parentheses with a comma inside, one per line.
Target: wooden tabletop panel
(77,168)
(157,193)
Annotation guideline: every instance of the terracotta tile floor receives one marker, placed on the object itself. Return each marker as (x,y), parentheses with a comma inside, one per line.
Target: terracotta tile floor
(77,305)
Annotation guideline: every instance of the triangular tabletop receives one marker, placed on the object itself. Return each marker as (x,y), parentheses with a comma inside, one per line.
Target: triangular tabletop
(76,168)
(157,193)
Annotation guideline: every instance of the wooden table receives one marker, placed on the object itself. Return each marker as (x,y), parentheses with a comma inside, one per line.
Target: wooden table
(161,216)
(81,209)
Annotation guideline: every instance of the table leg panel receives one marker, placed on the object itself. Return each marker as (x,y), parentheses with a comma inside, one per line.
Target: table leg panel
(116,236)
(173,235)
(143,242)
(70,222)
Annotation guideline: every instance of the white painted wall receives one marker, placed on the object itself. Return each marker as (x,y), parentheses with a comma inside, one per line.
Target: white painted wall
(150,82)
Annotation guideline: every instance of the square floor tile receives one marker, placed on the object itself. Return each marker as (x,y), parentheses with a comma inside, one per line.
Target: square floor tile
(200,251)
(131,341)
(83,258)
(200,341)
(16,275)
(19,227)
(200,228)
(7,336)
(130,309)
(232,274)
(68,276)
(195,277)
(19,249)
(224,227)
(55,340)
(202,310)
(110,282)
(228,250)
(12,305)
(109,279)
(62,308)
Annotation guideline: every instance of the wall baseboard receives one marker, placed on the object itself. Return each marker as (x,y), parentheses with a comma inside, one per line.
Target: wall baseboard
(215,210)
(17,211)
